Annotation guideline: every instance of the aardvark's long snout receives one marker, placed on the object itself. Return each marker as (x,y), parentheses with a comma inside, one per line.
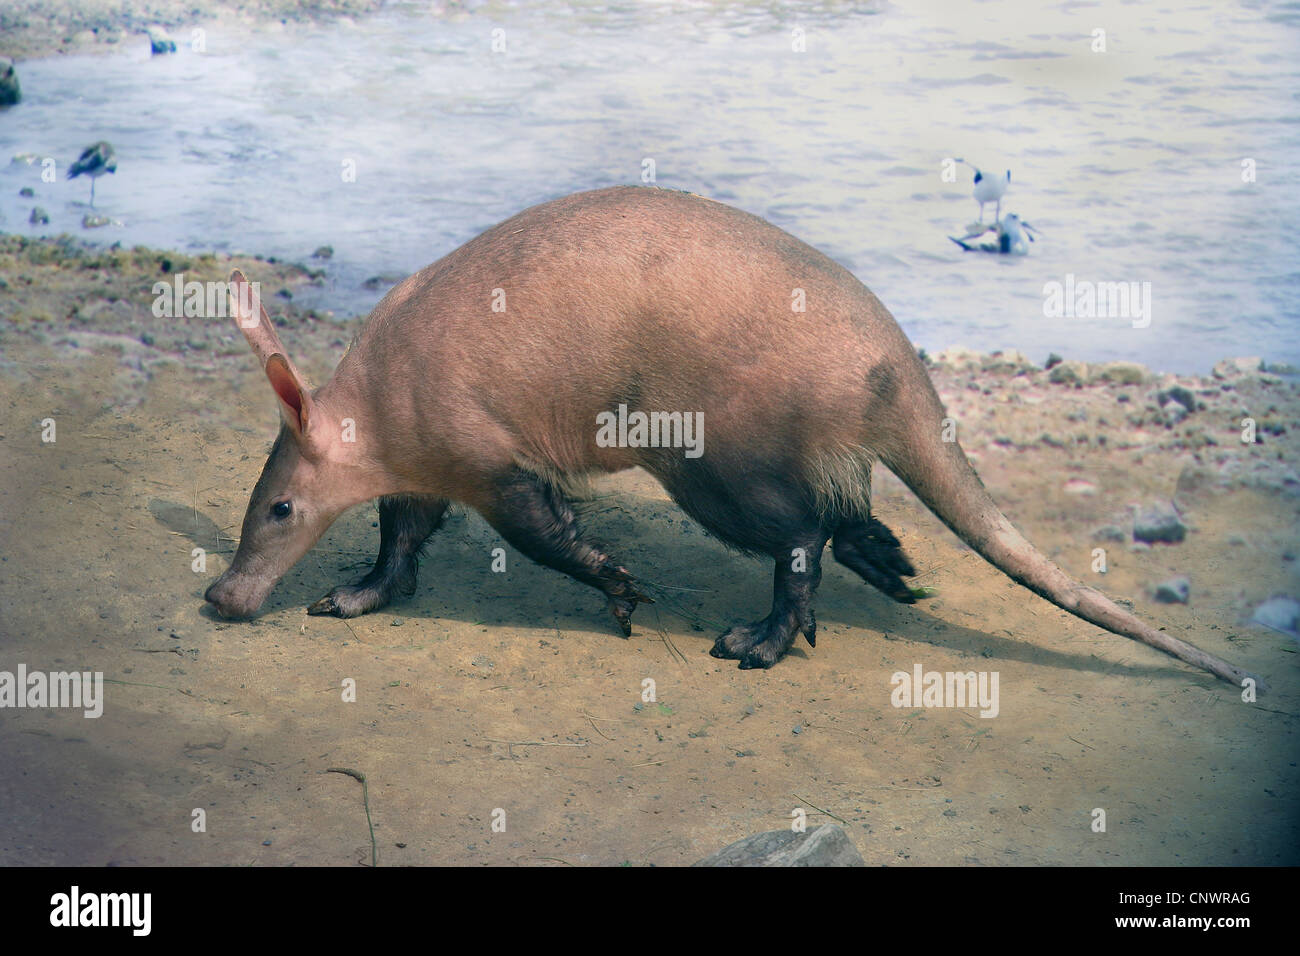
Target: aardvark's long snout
(235,596)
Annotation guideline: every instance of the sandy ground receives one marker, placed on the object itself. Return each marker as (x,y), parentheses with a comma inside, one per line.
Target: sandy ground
(32,28)
(511,692)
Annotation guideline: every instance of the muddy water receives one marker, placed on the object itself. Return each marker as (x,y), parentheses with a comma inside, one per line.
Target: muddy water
(1129,161)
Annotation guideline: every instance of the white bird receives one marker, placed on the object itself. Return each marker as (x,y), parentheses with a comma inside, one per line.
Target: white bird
(989,189)
(95,160)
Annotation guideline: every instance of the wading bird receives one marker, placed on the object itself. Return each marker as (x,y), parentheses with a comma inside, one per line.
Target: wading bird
(94,162)
(989,189)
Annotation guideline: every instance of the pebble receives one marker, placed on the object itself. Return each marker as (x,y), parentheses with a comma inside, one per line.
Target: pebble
(160,42)
(1173,591)
(1279,614)
(1159,524)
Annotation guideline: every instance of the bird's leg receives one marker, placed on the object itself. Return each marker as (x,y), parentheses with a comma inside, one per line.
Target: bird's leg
(92,191)
(997,212)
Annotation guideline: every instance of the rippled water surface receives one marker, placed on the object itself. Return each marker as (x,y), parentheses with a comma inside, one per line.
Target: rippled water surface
(1129,161)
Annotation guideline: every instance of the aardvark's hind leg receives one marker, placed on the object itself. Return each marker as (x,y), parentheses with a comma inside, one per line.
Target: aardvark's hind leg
(871,549)
(534,517)
(798,572)
(405,521)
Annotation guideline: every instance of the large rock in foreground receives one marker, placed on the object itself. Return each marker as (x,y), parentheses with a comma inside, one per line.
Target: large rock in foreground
(821,846)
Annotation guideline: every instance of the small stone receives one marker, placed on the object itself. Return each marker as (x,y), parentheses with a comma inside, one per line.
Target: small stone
(1159,524)
(27,192)
(1080,486)
(1110,532)
(1173,591)
(160,42)
(39,217)
(323,252)
(1279,614)
(379,281)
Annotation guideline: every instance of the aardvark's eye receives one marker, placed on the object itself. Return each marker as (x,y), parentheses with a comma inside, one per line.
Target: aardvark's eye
(282,509)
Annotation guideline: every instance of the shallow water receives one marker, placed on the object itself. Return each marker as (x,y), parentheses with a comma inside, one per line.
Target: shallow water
(1129,162)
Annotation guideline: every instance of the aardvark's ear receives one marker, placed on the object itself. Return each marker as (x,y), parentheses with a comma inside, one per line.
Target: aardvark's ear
(290,387)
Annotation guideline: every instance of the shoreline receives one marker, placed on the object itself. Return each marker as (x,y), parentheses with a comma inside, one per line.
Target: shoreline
(33,29)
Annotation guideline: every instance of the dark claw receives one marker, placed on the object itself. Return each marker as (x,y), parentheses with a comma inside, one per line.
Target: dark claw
(324,606)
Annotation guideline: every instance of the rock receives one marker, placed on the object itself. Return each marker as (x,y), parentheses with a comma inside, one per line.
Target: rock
(94,221)
(1173,591)
(1110,532)
(39,217)
(160,42)
(323,252)
(1119,373)
(10,91)
(1236,367)
(379,281)
(826,845)
(1069,373)
(27,192)
(1160,523)
(1279,614)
